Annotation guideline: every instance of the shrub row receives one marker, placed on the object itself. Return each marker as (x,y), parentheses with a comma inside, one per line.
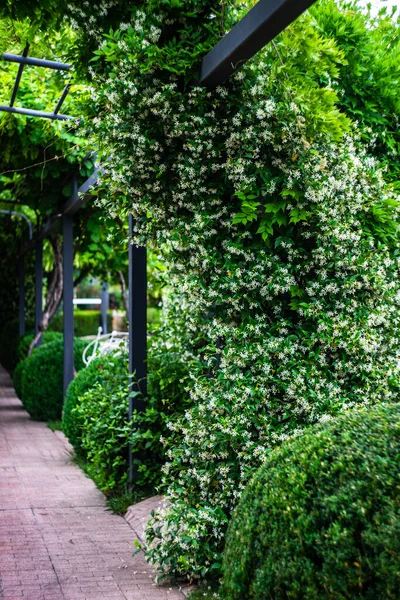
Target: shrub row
(95,418)
(38,379)
(86,322)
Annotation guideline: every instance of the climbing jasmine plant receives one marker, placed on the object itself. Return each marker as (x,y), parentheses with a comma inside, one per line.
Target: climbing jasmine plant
(279,228)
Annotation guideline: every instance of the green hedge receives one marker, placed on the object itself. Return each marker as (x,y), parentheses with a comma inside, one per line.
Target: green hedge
(22,355)
(101,414)
(26,340)
(321,518)
(17,377)
(84,380)
(42,379)
(86,322)
(99,422)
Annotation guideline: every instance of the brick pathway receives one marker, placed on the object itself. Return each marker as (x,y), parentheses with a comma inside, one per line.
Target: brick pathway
(57,541)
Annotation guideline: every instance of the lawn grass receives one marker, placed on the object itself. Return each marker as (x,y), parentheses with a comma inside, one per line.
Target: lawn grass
(55,425)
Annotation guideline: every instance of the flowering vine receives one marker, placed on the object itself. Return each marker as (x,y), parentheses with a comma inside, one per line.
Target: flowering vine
(280,234)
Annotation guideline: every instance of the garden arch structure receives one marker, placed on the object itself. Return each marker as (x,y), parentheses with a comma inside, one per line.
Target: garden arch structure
(261,25)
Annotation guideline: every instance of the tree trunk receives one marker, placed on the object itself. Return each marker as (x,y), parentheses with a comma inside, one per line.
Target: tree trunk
(54,293)
(123,293)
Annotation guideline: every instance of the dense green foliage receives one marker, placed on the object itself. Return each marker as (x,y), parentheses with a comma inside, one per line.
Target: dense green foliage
(86,378)
(26,340)
(86,322)
(96,419)
(13,230)
(321,518)
(278,227)
(17,376)
(42,380)
(22,355)
(273,198)
(101,414)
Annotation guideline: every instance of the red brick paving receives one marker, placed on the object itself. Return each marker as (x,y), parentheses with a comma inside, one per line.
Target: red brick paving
(57,541)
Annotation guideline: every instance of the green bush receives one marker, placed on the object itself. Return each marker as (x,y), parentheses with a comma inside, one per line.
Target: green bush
(22,355)
(42,379)
(102,415)
(17,377)
(86,322)
(26,340)
(96,371)
(154,315)
(100,419)
(321,518)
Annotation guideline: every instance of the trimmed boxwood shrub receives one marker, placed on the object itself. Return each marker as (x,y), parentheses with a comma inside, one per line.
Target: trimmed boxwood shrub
(42,379)
(100,419)
(84,381)
(22,355)
(17,377)
(321,518)
(26,340)
(101,415)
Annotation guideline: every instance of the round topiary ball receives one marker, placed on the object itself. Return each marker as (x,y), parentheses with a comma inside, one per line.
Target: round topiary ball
(25,342)
(84,380)
(42,379)
(321,518)
(17,377)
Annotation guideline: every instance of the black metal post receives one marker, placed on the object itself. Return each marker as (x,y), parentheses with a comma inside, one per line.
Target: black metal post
(68,299)
(38,287)
(137,333)
(21,272)
(105,301)
(18,77)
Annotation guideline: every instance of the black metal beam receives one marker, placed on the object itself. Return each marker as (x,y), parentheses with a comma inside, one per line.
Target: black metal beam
(18,78)
(61,100)
(29,112)
(38,287)
(137,333)
(261,25)
(105,301)
(36,62)
(68,297)
(21,273)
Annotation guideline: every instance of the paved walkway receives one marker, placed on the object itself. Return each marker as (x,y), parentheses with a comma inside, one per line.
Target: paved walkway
(57,541)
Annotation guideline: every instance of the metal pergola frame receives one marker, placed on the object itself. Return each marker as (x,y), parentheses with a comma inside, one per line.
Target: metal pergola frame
(23,60)
(262,24)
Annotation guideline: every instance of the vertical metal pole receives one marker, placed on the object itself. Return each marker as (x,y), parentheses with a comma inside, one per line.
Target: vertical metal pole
(68,298)
(21,271)
(38,287)
(105,301)
(137,333)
